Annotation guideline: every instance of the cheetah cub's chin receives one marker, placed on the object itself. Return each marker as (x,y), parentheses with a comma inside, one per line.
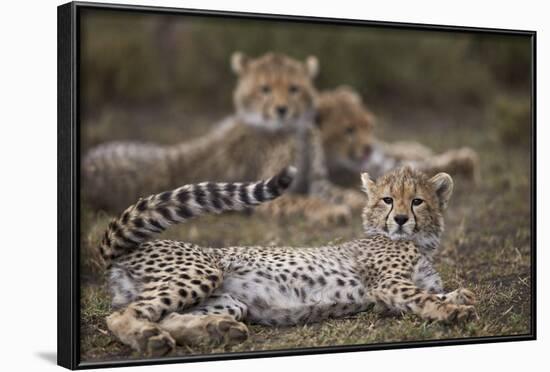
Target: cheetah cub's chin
(407,205)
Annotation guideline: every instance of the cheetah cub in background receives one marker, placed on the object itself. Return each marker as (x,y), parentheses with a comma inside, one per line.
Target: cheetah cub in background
(170,292)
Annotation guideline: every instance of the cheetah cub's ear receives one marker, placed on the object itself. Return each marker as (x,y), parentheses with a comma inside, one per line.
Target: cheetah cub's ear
(443,186)
(312,66)
(367,184)
(239,62)
(349,94)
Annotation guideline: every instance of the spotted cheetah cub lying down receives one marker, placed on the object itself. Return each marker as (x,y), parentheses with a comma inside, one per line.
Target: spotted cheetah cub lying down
(170,292)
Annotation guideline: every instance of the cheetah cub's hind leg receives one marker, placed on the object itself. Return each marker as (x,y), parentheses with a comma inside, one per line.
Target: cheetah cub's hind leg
(217,320)
(137,325)
(136,330)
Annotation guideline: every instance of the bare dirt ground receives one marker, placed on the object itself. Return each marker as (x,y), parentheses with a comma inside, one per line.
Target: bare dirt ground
(486,248)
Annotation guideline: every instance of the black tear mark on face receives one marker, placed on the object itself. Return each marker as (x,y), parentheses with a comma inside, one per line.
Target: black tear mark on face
(387,216)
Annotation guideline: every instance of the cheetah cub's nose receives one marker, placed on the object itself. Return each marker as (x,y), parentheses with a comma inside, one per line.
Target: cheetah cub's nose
(401,219)
(281,111)
(367,150)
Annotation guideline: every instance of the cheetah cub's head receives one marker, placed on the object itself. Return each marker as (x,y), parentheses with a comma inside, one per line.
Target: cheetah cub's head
(275,92)
(346,127)
(406,204)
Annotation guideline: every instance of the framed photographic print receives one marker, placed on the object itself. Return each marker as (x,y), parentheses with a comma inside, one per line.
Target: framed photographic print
(237,185)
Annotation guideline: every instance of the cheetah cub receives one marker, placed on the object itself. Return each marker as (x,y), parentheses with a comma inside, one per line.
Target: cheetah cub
(169,292)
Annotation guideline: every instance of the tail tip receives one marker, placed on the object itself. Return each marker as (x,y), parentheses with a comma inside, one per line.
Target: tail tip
(286,176)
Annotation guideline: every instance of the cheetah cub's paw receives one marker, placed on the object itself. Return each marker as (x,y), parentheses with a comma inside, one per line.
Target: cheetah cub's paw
(450,313)
(191,329)
(142,336)
(227,331)
(159,342)
(461,296)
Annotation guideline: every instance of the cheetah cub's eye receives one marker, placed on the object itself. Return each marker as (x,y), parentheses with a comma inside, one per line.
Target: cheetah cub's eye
(350,130)
(266,89)
(387,200)
(417,201)
(293,89)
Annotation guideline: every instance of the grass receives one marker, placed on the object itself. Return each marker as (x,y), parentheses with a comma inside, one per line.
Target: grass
(486,248)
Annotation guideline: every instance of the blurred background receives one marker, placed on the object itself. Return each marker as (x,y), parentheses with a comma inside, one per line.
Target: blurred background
(173,71)
(165,79)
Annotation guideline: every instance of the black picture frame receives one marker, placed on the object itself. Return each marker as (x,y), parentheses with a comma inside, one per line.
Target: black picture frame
(68,337)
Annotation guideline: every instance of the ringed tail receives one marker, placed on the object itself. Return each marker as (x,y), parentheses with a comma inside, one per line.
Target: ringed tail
(154,214)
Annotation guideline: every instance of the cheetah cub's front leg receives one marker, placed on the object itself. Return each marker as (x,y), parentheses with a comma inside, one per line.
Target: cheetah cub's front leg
(426,277)
(403,295)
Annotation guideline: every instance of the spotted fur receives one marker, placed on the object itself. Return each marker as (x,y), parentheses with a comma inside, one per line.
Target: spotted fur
(182,293)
